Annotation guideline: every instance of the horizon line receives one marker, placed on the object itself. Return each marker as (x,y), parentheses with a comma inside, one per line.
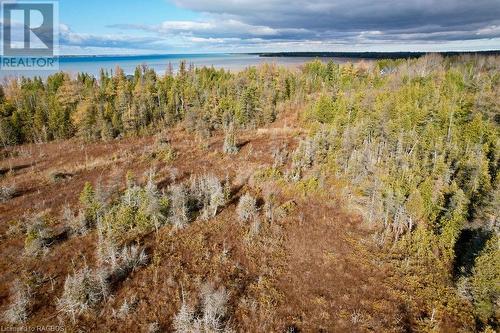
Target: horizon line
(275,52)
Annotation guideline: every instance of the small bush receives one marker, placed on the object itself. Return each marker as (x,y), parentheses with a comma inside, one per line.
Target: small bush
(140,210)
(154,327)
(82,291)
(161,151)
(37,236)
(127,307)
(17,312)
(7,193)
(247,208)
(184,319)
(15,228)
(307,186)
(178,206)
(212,316)
(209,195)
(285,209)
(126,261)
(264,174)
(167,154)
(280,156)
(91,203)
(214,304)
(230,146)
(77,225)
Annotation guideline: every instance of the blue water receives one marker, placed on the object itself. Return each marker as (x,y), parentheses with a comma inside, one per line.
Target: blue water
(93,64)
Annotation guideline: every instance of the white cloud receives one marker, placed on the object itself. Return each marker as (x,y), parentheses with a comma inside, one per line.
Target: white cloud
(295,25)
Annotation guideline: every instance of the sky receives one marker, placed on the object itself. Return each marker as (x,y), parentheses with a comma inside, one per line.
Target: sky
(211,26)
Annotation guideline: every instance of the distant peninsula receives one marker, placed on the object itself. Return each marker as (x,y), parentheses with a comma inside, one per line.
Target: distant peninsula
(371,55)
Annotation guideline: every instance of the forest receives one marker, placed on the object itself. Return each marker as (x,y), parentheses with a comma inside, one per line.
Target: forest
(392,164)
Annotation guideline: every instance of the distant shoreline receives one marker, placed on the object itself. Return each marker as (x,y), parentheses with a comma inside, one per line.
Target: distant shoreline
(326,54)
(371,55)
(95,64)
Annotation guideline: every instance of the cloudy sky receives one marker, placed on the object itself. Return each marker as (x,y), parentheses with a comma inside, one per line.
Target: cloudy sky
(194,26)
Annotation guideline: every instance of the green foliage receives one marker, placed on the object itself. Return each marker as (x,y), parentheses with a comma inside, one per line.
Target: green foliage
(230,145)
(426,286)
(138,211)
(116,105)
(419,155)
(160,151)
(416,143)
(486,282)
(307,186)
(269,173)
(38,235)
(323,110)
(91,204)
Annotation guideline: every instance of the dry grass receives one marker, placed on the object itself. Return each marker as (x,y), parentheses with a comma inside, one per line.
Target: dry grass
(298,270)
(18,310)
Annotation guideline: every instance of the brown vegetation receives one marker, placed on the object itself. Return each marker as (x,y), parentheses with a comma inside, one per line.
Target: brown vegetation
(306,222)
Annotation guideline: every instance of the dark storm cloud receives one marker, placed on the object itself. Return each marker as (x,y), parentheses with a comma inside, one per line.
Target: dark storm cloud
(423,20)
(314,25)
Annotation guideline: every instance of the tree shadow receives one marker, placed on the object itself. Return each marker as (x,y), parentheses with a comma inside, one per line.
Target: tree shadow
(468,246)
(242,144)
(4,171)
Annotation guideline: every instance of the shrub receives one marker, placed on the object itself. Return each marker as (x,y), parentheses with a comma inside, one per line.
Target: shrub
(212,314)
(17,311)
(214,305)
(178,206)
(264,174)
(161,151)
(15,228)
(167,153)
(126,261)
(285,209)
(247,208)
(77,224)
(128,306)
(154,327)
(7,193)
(307,186)
(37,235)
(139,210)
(280,156)
(92,205)
(208,194)
(184,319)
(82,291)
(230,146)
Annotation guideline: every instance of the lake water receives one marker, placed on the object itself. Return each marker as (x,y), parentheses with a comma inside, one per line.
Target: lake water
(232,62)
